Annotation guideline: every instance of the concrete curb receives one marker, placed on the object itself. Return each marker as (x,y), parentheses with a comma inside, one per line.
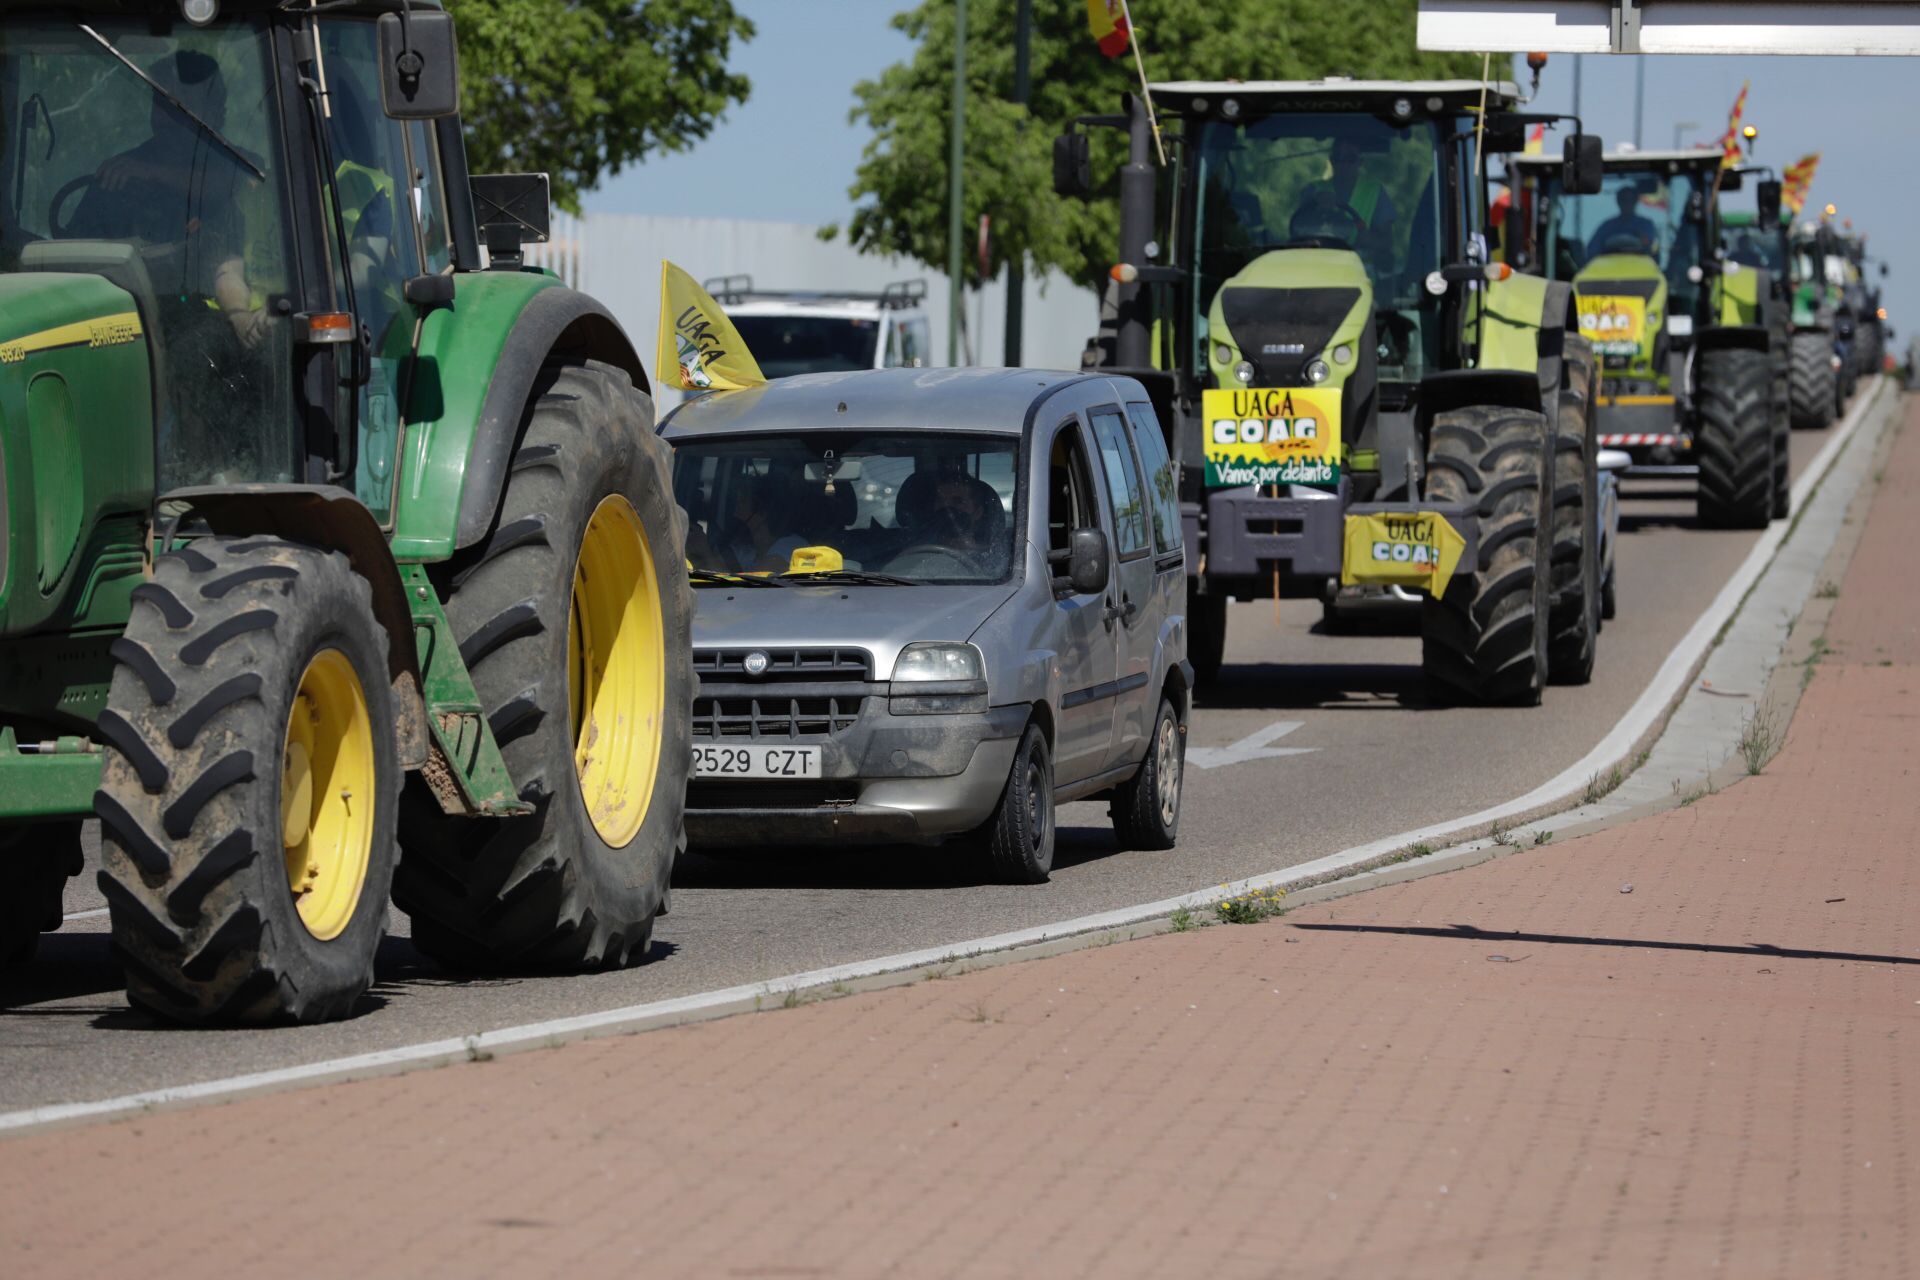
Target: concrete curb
(1737,643)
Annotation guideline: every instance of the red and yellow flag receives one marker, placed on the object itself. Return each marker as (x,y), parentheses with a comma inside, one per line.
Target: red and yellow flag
(1107,20)
(1730,152)
(1797,181)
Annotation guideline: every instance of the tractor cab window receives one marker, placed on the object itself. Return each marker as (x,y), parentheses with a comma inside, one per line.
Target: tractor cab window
(1637,213)
(1330,181)
(148,151)
(374,176)
(1752,246)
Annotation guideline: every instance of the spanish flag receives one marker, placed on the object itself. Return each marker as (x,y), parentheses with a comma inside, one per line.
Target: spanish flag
(699,349)
(1797,181)
(1730,152)
(1108,21)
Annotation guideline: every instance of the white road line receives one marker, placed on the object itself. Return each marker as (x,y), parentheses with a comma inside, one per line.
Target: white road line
(84,915)
(1659,693)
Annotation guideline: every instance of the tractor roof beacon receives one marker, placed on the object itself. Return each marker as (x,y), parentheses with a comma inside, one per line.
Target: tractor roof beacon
(1356,390)
(1693,342)
(365,545)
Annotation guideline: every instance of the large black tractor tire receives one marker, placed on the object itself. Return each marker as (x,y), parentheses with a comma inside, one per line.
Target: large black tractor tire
(580,589)
(247,800)
(1782,459)
(1810,380)
(1574,618)
(1734,440)
(1206,635)
(40,859)
(1485,640)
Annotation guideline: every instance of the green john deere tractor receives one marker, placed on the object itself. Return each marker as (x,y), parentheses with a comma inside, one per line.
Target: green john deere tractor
(1354,389)
(1692,344)
(366,546)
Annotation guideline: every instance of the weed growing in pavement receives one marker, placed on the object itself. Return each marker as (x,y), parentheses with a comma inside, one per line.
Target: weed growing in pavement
(1690,794)
(1541,837)
(938,972)
(791,1000)
(1252,907)
(1601,785)
(842,989)
(1828,591)
(1419,849)
(1181,921)
(1646,754)
(978,1012)
(1818,650)
(1502,835)
(1757,740)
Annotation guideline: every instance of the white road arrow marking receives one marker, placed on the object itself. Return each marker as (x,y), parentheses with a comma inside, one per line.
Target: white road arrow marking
(1252,747)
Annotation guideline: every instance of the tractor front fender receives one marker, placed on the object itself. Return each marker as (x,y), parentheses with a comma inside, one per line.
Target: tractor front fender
(1526,324)
(333,519)
(479,359)
(1720,337)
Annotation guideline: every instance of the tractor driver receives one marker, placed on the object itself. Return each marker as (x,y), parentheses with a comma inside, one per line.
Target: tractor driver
(1626,232)
(1347,203)
(181,193)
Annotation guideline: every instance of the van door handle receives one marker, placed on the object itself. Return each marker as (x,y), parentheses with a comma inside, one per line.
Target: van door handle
(1123,611)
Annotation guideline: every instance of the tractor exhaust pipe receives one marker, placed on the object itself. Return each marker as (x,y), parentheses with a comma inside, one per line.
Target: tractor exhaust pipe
(1132,347)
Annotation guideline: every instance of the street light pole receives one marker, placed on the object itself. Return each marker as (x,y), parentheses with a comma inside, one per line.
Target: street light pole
(1017,264)
(1639,97)
(956,278)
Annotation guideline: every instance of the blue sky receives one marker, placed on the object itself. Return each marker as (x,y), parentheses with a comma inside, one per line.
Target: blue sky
(789,153)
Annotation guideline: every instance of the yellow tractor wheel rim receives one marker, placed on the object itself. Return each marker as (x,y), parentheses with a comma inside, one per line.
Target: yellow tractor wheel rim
(616,671)
(327,794)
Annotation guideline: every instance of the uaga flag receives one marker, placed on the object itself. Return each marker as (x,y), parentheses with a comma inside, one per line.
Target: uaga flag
(1730,153)
(1107,19)
(700,350)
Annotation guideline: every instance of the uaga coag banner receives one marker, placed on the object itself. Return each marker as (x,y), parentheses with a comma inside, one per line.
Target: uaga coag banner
(1285,435)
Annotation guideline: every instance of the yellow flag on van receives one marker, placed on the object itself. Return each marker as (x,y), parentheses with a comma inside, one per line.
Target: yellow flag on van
(699,350)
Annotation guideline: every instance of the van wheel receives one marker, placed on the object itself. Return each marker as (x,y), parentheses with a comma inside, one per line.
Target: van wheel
(1146,807)
(1020,832)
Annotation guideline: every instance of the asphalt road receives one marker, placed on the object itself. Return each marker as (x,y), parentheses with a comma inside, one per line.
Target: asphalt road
(1380,761)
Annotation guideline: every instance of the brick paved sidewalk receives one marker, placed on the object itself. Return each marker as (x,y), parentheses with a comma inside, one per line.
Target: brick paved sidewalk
(1515,1070)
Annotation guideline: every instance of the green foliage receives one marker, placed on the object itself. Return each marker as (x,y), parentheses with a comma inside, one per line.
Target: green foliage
(1251,907)
(901,185)
(583,88)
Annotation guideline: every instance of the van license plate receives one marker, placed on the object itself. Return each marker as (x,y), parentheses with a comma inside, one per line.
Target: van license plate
(756,762)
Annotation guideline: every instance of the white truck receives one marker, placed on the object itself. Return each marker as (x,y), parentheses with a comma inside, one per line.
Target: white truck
(828,331)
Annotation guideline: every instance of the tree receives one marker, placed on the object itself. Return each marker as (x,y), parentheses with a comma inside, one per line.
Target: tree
(901,183)
(583,88)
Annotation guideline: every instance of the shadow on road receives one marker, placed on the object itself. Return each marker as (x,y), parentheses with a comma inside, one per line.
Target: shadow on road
(1470,933)
(1276,686)
(956,865)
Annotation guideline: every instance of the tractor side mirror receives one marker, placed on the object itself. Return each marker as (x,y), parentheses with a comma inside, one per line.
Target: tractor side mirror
(511,210)
(1582,169)
(1883,271)
(419,67)
(1087,567)
(1767,196)
(1072,165)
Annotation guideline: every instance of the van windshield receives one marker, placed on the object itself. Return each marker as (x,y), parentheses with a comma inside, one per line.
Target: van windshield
(785,345)
(920,506)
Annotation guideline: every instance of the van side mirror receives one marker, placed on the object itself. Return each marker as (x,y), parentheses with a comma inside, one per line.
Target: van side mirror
(1767,196)
(1072,165)
(419,68)
(1087,567)
(1582,168)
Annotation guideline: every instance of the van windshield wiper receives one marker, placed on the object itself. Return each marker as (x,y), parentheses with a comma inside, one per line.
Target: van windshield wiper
(168,94)
(850,577)
(714,578)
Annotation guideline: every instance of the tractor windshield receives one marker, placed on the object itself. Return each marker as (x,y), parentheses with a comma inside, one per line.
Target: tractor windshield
(145,150)
(1637,212)
(1753,246)
(1342,180)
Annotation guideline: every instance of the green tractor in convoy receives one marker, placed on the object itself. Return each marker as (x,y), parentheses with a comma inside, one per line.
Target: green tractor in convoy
(1354,390)
(321,539)
(1813,388)
(1693,345)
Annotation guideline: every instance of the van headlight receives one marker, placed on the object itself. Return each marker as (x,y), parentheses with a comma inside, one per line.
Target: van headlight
(935,678)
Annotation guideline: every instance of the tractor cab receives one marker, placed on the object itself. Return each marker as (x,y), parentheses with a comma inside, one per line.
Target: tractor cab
(1691,335)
